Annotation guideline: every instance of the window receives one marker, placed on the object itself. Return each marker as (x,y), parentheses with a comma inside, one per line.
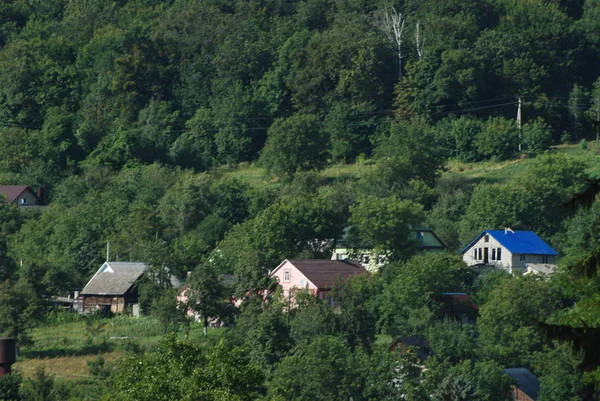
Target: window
(522,258)
(338,256)
(544,258)
(499,254)
(493,253)
(365,259)
(486,238)
(480,253)
(420,236)
(475,253)
(286,276)
(23,201)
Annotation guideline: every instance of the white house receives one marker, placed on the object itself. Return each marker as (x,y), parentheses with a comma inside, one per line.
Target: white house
(427,241)
(509,250)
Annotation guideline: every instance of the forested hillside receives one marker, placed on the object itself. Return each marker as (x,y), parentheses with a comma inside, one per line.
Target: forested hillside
(143,119)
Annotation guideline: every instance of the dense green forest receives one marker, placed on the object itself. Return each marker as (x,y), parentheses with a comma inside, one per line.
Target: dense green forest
(140,117)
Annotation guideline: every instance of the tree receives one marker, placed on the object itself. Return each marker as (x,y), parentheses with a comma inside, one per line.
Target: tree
(293,226)
(384,225)
(294,144)
(21,309)
(9,387)
(392,23)
(356,318)
(537,136)
(508,322)
(451,341)
(268,338)
(409,160)
(183,371)
(497,139)
(319,370)
(207,295)
(408,302)
(456,388)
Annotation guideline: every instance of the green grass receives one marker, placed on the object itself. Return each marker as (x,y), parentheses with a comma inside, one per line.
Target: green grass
(64,349)
(487,171)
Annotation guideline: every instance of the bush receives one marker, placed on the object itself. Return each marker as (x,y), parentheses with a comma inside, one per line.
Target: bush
(98,367)
(583,144)
(498,139)
(537,136)
(9,387)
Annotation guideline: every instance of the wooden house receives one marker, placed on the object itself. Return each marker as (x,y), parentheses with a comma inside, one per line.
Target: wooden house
(113,287)
(527,385)
(509,250)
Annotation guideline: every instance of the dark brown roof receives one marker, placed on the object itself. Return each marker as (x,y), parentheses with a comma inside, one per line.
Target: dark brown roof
(324,272)
(12,192)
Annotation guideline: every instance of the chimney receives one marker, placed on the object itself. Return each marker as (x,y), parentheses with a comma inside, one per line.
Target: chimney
(41,194)
(76,295)
(8,354)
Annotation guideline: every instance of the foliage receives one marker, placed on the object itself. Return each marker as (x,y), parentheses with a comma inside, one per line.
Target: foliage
(508,322)
(384,225)
(181,370)
(207,295)
(451,341)
(408,302)
(321,369)
(537,136)
(9,387)
(357,315)
(294,144)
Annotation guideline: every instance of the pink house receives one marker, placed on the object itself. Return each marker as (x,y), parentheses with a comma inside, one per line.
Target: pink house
(316,275)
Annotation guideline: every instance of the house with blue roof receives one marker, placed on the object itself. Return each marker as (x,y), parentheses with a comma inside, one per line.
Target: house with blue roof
(509,250)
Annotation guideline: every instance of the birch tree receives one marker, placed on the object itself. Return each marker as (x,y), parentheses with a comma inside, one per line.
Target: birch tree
(392,23)
(419,40)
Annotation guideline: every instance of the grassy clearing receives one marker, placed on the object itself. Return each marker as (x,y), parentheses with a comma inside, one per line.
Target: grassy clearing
(488,171)
(66,367)
(64,349)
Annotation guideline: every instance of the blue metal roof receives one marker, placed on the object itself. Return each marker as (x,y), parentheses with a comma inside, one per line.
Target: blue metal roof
(517,242)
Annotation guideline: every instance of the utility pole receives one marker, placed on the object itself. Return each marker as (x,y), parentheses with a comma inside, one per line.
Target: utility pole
(519,122)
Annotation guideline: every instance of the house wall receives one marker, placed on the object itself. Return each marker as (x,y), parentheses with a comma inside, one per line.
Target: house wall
(296,279)
(367,258)
(519,395)
(92,303)
(506,257)
(521,265)
(30,197)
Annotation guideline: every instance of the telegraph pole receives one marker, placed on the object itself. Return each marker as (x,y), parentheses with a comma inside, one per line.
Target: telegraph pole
(597,122)
(519,122)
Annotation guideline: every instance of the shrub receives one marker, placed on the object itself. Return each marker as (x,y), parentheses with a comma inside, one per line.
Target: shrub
(537,136)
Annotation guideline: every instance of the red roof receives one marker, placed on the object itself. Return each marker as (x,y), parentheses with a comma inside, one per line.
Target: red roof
(12,192)
(324,272)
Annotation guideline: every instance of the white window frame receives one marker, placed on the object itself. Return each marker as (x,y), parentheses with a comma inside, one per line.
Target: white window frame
(287,275)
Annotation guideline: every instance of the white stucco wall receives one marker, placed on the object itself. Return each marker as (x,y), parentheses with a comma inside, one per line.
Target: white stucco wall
(506,258)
